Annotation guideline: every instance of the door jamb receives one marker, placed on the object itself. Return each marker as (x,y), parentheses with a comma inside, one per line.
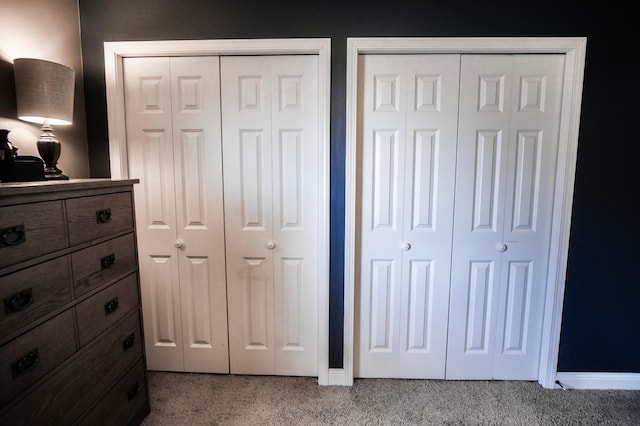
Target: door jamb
(115,52)
(574,50)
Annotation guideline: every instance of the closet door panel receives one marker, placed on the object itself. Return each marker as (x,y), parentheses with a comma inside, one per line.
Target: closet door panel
(173,138)
(270,116)
(381,145)
(509,118)
(295,212)
(483,153)
(407,150)
(247,146)
(535,121)
(150,151)
(430,158)
(200,216)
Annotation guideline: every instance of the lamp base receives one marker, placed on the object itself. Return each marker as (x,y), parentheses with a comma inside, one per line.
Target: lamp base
(49,149)
(55,175)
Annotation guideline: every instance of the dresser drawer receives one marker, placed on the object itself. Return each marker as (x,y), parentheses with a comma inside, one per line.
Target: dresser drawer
(101,263)
(32,293)
(29,357)
(73,389)
(31,230)
(123,402)
(105,308)
(97,216)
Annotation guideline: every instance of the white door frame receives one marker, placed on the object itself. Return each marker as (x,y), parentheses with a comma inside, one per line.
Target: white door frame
(574,51)
(114,52)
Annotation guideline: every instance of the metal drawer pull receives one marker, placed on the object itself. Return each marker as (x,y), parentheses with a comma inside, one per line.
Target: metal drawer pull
(111,306)
(17,302)
(25,364)
(133,391)
(107,261)
(128,342)
(103,216)
(12,236)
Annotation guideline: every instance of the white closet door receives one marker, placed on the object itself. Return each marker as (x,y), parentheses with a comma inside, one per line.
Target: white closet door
(173,139)
(270,145)
(508,134)
(408,146)
(150,152)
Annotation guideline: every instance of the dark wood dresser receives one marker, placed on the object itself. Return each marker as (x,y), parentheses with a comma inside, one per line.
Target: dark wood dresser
(71,343)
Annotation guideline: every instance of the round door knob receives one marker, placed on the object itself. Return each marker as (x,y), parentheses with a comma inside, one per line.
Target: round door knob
(405,246)
(179,244)
(271,245)
(502,247)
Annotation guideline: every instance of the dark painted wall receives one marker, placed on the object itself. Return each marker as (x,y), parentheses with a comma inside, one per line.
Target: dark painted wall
(49,30)
(601,317)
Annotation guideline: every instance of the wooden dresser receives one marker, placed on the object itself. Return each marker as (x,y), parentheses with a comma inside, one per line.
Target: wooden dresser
(71,343)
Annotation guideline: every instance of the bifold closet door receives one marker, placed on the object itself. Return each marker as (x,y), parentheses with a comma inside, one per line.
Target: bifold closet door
(270,119)
(507,150)
(452,279)
(174,148)
(407,143)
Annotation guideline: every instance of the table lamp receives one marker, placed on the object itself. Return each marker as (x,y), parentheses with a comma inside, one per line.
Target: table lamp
(44,95)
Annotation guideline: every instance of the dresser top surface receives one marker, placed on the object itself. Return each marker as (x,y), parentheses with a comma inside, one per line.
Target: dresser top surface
(23,188)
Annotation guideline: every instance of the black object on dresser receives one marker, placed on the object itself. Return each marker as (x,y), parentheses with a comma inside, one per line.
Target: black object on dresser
(71,343)
(17,168)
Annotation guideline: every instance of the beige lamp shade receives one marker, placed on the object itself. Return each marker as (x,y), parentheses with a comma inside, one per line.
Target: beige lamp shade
(44,91)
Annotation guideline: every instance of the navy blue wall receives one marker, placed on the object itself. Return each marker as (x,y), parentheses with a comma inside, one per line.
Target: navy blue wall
(601,316)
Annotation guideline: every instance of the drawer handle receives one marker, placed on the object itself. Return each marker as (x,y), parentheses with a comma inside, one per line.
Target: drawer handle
(133,391)
(107,261)
(103,216)
(17,302)
(12,236)
(111,306)
(128,342)
(26,363)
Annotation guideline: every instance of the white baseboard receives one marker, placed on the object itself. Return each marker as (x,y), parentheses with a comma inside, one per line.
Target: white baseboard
(619,381)
(337,377)
(623,381)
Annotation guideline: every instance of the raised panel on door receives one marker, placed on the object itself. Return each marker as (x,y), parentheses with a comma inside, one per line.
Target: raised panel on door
(173,132)
(269,110)
(150,151)
(195,92)
(407,145)
(504,190)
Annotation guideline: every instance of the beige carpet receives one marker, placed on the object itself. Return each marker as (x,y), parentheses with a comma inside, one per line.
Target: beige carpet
(207,399)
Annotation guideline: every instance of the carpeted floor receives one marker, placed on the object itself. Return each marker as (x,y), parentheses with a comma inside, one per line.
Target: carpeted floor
(207,399)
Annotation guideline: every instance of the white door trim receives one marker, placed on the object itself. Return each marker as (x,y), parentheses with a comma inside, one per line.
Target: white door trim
(114,52)
(574,51)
